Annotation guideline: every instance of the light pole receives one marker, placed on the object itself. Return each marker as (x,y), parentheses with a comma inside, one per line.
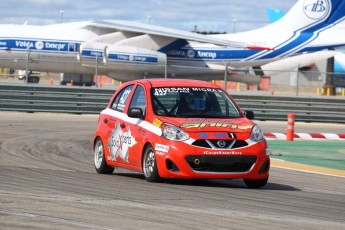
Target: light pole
(234,21)
(97,80)
(27,74)
(61,15)
(226,77)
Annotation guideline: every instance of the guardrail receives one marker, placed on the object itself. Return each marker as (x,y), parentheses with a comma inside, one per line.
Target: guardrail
(307,109)
(81,100)
(29,98)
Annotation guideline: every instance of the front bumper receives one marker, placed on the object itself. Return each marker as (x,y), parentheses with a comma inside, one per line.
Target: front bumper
(185,161)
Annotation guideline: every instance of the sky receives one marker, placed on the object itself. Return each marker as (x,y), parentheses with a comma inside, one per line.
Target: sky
(207,15)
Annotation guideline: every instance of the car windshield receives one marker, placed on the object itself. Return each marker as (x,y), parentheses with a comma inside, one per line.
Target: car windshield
(193,102)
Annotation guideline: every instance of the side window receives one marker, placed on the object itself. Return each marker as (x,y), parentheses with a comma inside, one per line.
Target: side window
(139,99)
(121,99)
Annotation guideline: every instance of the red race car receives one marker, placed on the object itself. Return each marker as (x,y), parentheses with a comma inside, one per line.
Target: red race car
(174,128)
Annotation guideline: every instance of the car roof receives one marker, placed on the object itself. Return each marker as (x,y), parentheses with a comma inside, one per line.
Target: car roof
(168,82)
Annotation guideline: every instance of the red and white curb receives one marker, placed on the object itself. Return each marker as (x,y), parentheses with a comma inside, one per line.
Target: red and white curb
(306,136)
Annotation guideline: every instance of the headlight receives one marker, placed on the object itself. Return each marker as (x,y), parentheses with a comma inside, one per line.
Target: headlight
(173,132)
(256,134)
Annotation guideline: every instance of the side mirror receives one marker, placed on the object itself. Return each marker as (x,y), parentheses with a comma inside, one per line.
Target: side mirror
(136,113)
(249,114)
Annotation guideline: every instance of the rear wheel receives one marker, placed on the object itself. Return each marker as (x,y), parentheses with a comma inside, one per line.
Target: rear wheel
(150,168)
(101,165)
(256,183)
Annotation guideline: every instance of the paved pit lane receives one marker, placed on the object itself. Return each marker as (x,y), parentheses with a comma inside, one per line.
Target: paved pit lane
(48,181)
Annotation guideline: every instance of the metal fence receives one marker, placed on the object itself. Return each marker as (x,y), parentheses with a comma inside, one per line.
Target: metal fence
(310,77)
(81,100)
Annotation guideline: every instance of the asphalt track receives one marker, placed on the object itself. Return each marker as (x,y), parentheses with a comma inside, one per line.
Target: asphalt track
(48,181)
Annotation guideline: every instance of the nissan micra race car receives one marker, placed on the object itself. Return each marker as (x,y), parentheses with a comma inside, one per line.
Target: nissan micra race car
(170,128)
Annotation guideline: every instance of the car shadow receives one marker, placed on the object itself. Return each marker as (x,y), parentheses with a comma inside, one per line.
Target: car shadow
(229,183)
(223,183)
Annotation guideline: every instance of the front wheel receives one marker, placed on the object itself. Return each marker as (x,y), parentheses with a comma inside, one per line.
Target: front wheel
(101,165)
(150,168)
(256,183)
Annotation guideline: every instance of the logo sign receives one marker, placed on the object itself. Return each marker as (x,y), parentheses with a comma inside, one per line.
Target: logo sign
(191,53)
(317,9)
(39,45)
(221,143)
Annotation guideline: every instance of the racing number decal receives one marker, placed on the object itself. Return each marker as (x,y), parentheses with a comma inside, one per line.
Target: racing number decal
(123,99)
(119,142)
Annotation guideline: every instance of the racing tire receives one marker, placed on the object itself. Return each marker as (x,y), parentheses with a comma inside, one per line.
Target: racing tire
(255,183)
(149,165)
(101,165)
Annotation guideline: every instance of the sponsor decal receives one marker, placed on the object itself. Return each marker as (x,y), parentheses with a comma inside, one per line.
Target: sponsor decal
(160,153)
(157,122)
(221,135)
(222,153)
(119,143)
(202,123)
(165,91)
(203,135)
(206,90)
(162,148)
(217,135)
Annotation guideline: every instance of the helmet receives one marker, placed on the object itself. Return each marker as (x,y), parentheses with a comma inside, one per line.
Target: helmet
(196,101)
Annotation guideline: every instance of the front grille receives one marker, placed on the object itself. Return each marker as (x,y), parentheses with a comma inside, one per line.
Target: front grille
(221,164)
(239,144)
(212,144)
(201,143)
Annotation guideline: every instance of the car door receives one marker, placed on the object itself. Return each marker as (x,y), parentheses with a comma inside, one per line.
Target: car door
(115,120)
(136,133)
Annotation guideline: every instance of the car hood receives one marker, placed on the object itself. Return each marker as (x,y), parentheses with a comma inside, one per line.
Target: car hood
(211,124)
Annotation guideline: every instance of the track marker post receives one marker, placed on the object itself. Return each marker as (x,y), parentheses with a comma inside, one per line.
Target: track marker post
(290,132)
